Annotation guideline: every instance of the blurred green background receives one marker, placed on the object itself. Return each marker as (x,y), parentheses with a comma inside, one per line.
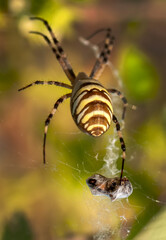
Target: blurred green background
(53,201)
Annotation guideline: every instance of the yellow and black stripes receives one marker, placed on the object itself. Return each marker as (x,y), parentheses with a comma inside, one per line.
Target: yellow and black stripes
(47,122)
(91,108)
(57,50)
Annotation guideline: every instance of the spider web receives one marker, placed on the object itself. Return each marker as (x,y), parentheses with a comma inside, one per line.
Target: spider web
(102,205)
(106,212)
(104,208)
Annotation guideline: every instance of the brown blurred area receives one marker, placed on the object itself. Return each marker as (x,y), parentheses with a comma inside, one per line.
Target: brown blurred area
(52,201)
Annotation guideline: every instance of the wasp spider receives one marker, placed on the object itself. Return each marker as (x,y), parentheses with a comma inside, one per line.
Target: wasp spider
(90,102)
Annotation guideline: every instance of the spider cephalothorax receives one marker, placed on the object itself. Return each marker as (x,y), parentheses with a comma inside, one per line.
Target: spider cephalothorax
(91,106)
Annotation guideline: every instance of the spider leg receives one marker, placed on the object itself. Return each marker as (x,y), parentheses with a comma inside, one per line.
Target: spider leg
(47,122)
(58,56)
(103,57)
(123,147)
(60,84)
(63,59)
(98,31)
(124,100)
(95,49)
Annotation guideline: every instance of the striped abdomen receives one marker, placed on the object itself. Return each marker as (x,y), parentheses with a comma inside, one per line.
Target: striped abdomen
(91,107)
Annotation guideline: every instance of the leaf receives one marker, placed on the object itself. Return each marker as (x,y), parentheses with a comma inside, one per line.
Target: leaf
(139,74)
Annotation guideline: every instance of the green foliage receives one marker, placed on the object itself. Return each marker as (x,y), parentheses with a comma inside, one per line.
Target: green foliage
(139,75)
(79,152)
(4,5)
(8,77)
(155,229)
(37,6)
(17,228)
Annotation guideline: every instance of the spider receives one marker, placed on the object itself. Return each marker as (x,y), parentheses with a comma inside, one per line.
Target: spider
(90,101)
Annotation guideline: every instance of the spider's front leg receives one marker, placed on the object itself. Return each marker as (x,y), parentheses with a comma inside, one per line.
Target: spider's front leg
(56,49)
(47,122)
